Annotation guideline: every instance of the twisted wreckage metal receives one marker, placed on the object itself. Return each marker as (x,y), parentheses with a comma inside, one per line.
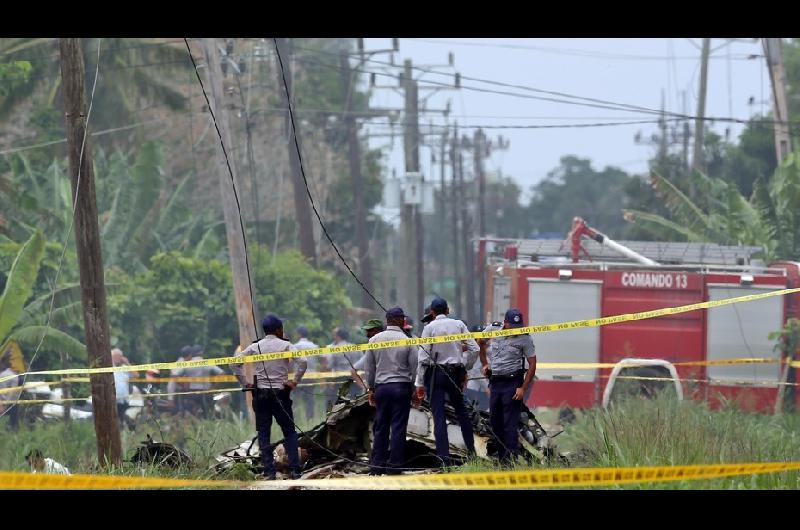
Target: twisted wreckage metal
(340,446)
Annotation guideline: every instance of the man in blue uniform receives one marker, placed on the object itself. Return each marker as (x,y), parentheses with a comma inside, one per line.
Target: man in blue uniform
(442,369)
(271,394)
(390,374)
(504,364)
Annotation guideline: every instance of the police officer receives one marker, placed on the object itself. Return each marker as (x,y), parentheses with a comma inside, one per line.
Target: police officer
(504,363)
(202,401)
(271,394)
(441,368)
(390,374)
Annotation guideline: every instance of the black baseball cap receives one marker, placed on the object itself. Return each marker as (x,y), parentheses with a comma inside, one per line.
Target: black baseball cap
(514,318)
(428,316)
(395,312)
(271,324)
(439,305)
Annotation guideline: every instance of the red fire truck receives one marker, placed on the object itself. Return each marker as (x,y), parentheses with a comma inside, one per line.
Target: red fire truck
(590,276)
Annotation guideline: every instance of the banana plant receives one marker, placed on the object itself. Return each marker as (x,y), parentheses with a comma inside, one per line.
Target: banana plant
(769,219)
(16,324)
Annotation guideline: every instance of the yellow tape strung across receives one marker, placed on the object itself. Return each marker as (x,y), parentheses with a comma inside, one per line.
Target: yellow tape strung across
(527,479)
(40,481)
(420,341)
(148,396)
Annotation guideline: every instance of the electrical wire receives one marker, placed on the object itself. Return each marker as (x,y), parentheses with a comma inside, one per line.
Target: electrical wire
(580,100)
(559,51)
(238,207)
(71,223)
(305,182)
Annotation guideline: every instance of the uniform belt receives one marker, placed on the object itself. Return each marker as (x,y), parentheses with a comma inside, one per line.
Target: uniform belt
(514,376)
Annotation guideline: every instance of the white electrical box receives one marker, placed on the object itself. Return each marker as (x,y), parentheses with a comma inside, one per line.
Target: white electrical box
(412,191)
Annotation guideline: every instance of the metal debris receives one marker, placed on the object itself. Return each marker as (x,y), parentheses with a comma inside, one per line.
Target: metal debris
(340,446)
(160,453)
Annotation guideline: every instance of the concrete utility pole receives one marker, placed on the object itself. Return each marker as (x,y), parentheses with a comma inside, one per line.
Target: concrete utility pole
(699,123)
(777,75)
(302,207)
(90,259)
(354,159)
(246,311)
(411,218)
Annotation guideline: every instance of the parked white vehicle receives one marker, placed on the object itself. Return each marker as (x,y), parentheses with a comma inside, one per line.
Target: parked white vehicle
(654,373)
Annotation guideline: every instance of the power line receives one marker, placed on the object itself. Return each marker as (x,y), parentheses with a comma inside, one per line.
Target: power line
(305,181)
(558,51)
(239,211)
(610,105)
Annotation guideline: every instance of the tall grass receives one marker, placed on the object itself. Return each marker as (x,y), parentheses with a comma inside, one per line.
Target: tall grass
(74,445)
(666,432)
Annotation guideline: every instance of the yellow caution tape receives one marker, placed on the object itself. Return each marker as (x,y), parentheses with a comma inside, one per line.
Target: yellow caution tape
(669,379)
(527,479)
(556,478)
(418,341)
(40,481)
(146,396)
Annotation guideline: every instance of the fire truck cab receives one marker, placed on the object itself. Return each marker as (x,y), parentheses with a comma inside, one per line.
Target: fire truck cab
(549,282)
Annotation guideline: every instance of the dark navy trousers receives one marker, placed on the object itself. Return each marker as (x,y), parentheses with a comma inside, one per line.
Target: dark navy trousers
(393,405)
(269,404)
(443,385)
(504,414)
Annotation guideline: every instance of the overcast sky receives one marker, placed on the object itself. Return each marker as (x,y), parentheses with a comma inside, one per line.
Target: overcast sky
(631,71)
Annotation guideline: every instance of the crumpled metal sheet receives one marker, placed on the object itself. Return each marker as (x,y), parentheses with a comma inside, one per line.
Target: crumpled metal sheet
(340,445)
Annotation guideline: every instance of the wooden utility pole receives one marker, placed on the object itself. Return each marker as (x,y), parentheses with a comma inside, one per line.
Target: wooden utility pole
(685,139)
(354,159)
(699,122)
(466,244)
(479,150)
(90,259)
(411,218)
(443,205)
(302,206)
(455,207)
(246,310)
(777,75)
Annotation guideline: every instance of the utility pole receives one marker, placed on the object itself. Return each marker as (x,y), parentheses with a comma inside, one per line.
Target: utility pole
(777,76)
(302,208)
(90,259)
(246,310)
(443,204)
(354,159)
(455,207)
(686,133)
(699,124)
(466,245)
(479,150)
(410,215)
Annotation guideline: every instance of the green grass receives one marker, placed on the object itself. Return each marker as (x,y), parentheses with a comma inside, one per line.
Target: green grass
(74,446)
(667,432)
(661,432)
